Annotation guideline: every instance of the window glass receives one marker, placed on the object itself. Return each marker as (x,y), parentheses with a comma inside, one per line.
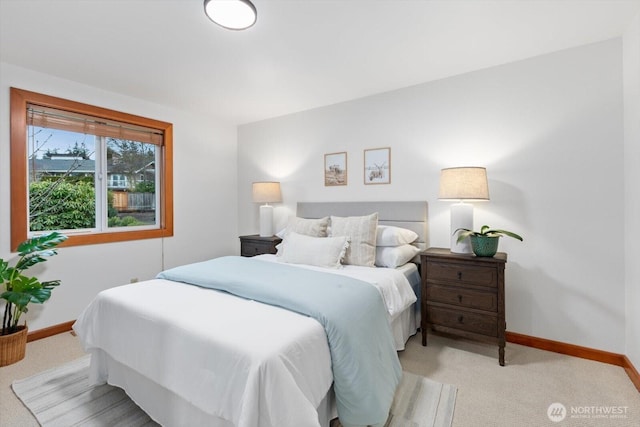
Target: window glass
(61,174)
(131,168)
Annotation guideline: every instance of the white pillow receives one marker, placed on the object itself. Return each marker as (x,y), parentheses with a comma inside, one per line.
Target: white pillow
(319,251)
(361,232)
(388,235)
(309,227)
(395,256)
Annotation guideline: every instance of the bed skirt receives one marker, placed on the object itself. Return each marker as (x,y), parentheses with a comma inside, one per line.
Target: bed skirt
(166,407)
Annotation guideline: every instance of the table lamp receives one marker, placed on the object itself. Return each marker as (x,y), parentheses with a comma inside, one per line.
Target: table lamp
(266,192)
(463,184)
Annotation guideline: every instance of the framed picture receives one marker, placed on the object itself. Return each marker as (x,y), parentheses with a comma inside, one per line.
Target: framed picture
(377,166)
(335,169)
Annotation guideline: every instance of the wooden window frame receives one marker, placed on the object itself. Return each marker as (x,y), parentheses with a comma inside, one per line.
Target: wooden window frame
(19,182)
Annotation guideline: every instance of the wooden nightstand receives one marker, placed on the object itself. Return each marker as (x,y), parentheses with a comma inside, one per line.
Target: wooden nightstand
(255,245)
(464,295)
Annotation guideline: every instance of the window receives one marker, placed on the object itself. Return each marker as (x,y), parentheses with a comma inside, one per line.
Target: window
(88,172)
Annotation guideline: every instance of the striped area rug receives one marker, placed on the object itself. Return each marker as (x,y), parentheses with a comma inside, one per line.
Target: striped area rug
(62,397)
(420,402)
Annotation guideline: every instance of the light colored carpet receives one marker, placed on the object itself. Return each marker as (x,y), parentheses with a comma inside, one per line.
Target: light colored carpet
(521,392)
(62,396)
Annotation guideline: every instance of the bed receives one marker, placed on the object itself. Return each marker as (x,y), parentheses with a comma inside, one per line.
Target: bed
(233,359)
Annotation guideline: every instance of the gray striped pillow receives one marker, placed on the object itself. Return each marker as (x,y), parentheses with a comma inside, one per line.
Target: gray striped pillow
(361,232)
(309,227)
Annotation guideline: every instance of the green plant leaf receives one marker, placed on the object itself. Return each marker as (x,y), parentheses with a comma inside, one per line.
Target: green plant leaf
(50,284)
(41,243)
(22,283)
(5,271)
(39,296)
(508,233)
(485,230)
(463,234)
(20,299)
(33,251)
(30,260)
(20,290)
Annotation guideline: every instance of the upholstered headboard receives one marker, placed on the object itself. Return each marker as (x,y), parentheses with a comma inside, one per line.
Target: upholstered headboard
(411,215)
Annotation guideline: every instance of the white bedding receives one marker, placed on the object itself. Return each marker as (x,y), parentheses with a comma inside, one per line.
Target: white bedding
(392,284)
(232,359)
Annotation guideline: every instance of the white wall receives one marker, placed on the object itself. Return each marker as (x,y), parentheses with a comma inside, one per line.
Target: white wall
(631,52)
(550,132)
(205,219)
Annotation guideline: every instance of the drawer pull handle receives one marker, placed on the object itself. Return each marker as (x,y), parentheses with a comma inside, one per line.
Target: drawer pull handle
(459,275)
(460,319)
(459,298)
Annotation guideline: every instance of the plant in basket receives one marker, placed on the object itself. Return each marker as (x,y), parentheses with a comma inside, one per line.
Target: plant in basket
(19,290)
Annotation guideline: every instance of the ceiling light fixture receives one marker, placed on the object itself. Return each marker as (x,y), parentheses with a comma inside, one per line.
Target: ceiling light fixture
(231,14)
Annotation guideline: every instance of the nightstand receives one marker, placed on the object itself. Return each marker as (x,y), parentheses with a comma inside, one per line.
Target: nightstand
(463,295)
(255,245)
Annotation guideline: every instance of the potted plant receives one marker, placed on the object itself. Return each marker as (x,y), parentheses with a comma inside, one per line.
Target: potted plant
(20,290)
(484,242)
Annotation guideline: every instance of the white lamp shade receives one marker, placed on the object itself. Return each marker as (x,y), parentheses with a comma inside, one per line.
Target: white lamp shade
(266,192)
(465,183)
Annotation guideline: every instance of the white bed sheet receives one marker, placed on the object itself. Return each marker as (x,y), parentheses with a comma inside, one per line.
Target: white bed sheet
(232,358)
(226,359)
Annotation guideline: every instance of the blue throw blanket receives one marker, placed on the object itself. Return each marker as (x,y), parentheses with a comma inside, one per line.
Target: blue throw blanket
(365,364)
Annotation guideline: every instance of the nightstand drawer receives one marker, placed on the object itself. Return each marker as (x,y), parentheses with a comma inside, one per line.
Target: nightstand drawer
(481,300)
(460,274)
(253,249)
(467,321)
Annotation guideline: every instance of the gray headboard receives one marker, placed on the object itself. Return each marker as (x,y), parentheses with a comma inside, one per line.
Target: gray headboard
(411,215)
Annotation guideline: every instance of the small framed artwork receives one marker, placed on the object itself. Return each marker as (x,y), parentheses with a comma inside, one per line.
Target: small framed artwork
(377,166)
(335,169)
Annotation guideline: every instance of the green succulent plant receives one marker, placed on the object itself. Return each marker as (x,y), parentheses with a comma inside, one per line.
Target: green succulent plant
(19,289)
(485,231)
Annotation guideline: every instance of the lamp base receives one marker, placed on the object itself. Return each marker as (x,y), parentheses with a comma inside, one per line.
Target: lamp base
(266,221)
(461,217)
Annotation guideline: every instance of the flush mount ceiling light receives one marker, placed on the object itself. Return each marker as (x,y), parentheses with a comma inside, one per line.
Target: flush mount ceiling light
(231,14)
